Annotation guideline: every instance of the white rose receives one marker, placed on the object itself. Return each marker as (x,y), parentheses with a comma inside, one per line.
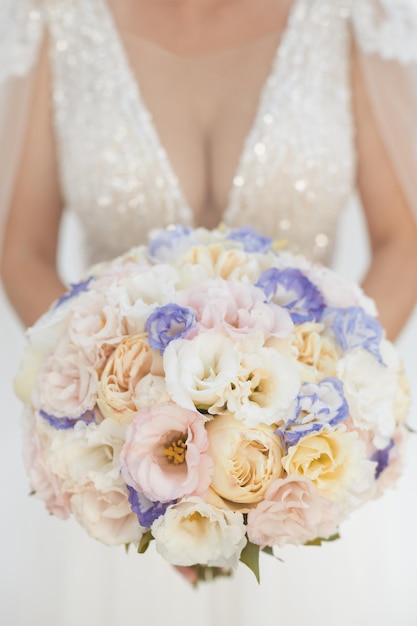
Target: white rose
(371,390)
(393,361)
(88,454)
(194,532)
(151,288)
(150,390)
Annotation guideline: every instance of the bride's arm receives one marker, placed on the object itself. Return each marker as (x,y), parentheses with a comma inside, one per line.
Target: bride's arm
(392,276)
(28,264)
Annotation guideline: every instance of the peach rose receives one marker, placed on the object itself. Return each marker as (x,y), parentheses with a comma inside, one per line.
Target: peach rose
(246,460)
(130,362)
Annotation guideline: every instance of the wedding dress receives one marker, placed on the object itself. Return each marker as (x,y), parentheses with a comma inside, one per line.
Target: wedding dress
(294,176)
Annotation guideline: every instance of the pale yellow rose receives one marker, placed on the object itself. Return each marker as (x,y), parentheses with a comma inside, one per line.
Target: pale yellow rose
(317,354)
(335,462)
(246,460)
(225,260)
(205,257)
(403,399)
(25,379)
(128,364)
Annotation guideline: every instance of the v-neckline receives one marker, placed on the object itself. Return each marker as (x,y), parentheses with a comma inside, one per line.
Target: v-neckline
(237,181)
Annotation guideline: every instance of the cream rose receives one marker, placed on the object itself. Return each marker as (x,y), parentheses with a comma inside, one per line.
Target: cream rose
(194,532)
(246,460)
(317,355)
(395,365)
(371,391)
(128,364)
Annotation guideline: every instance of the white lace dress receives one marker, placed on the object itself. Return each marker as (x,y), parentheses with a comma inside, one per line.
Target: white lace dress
(295,175)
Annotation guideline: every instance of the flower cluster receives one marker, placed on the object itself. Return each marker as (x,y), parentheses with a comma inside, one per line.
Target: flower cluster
(214,395)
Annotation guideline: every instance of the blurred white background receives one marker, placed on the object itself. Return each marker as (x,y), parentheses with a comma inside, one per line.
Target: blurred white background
(53,574)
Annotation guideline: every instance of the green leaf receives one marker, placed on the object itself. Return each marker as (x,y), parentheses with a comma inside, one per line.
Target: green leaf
(269,550)
(320,540)
(250,557)
(144,542)
(410,429)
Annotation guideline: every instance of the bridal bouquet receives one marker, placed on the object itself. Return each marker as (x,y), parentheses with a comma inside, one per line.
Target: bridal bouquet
(212,394)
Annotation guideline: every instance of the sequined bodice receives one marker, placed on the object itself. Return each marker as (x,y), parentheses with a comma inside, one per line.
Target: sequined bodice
(296,170)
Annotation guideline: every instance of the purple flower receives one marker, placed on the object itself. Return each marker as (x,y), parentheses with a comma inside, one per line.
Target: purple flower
(251,240)
(167,323)
(294,291)
(162,246)
(65,423)
(318,405)
(381,458)
(353,328)
(74,290)
(146,510)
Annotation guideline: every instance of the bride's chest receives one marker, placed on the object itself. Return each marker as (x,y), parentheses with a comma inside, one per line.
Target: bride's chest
(202,110)
(256,138)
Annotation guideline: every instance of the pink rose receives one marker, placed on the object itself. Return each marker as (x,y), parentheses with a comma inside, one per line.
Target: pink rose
(164,455)
(97,319)
(45,485)
(292,512)
(106,515)
(237,307)
(66,384)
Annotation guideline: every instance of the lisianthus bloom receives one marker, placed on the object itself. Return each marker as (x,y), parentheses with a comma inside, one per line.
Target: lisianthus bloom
(194,532)
(266,386)
(246,460)
(200,372)
(292,512)
(165,453)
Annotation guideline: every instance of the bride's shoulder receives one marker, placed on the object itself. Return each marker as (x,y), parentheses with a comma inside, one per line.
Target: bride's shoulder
(385,27)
